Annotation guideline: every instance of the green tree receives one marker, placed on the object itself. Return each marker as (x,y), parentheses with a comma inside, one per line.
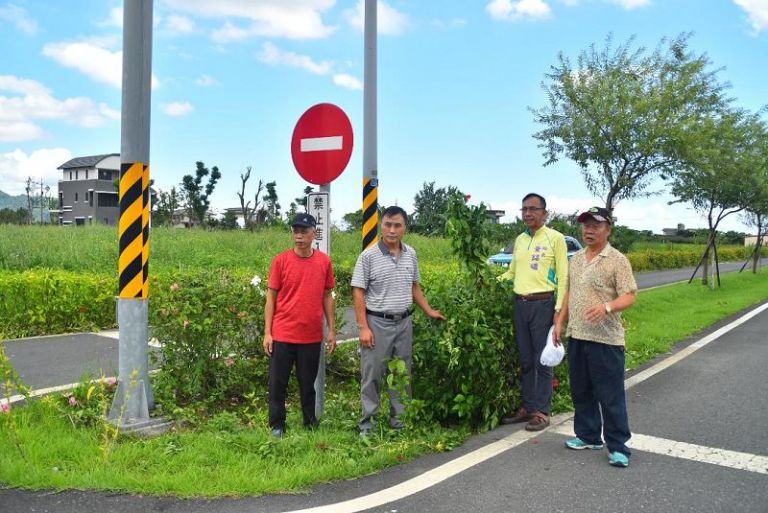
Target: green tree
(353,221)
(271,211)
(430,207)
(298,202)
(196,195)
(229,221)
(10,216)
(718,177)
(623,114)
(164,206)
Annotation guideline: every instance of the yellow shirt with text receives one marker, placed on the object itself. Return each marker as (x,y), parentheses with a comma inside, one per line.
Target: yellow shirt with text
(539,264)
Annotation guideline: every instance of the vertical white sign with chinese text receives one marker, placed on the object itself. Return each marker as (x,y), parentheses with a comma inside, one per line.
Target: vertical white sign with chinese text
(318,205)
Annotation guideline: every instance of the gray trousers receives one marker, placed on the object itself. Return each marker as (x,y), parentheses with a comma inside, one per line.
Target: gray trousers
(532,322)
(391,339)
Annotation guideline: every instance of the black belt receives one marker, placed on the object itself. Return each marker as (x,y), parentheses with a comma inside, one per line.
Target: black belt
(537,296)
(391,317)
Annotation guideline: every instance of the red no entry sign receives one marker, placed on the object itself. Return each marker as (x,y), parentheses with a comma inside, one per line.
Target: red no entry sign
(322,143)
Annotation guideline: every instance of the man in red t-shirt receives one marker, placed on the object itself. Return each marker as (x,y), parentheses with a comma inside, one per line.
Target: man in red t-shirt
(299,294)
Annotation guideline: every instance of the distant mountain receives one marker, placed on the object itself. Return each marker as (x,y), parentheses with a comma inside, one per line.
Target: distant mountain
(12,202)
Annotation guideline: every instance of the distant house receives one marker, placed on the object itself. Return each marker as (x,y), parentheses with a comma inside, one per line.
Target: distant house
(494,216)
(670,232)
(751,240)
(87,193)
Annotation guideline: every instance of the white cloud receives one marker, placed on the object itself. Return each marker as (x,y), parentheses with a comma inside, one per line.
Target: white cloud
(347,81)
(757,11)
(92,59)
(206,81)
(630,4)
(274,56)
(271,54)
(389,21)
(509,10)
(177,109)
(297,19)
(449,24)
(179,24)
(17,166)
(30,100)
(115,18)
(18,16)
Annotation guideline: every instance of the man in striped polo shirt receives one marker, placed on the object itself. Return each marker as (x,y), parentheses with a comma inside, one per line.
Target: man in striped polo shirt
(385,284)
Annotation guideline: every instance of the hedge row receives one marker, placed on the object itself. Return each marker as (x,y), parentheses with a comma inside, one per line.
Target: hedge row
(651,260)
(46,301)
(49,302)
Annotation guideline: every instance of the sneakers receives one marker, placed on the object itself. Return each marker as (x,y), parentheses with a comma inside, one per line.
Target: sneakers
(538,422)
(577,444)
(278,432)
(617,459)
(366,432)
(521,415)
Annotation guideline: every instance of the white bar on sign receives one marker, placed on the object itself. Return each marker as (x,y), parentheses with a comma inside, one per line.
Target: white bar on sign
(322,143)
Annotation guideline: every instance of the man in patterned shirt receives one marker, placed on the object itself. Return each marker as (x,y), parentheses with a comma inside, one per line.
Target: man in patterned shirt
(385,284)
(600,287)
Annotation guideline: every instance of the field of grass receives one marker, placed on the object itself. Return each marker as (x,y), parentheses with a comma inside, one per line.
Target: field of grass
(94,248)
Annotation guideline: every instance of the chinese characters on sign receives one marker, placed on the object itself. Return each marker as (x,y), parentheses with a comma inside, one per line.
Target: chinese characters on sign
(318,206)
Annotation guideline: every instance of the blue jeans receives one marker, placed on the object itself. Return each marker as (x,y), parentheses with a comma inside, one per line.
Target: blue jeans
(596,373)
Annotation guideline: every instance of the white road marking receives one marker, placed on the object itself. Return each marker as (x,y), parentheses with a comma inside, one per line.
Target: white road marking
(431,477)
(692,452)
(322,143)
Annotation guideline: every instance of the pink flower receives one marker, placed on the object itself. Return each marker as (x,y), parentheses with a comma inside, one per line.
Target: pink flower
(110,382)
(229,361)
(5,407)
(72,401)
(174,287)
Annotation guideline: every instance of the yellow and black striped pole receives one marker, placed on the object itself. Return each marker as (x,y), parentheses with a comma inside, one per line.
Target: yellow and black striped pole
(133,398)
(370,212)
(370,171)
(133,231)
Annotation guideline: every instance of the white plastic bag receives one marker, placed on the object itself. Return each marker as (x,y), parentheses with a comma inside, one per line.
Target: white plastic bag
(552,355)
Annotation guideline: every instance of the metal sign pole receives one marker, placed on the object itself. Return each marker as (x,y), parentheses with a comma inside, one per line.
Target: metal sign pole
(133,398)
(370,172)
(319,205)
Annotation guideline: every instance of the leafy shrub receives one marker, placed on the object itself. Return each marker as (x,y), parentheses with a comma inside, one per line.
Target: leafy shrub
(87,404)
(46,301)
(211,326)
(462,366)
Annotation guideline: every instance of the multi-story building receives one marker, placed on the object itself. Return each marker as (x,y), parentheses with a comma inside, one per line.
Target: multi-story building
(87,192)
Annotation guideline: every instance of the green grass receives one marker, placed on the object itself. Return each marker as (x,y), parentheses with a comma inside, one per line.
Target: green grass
(94,248)
(663,316)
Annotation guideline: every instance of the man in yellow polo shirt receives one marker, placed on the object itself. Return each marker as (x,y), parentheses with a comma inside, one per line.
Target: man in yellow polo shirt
(539,270)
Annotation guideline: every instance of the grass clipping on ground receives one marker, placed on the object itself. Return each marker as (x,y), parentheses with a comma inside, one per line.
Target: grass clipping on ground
(46,451)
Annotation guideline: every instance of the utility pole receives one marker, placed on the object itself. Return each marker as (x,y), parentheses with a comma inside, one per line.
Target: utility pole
(133,399)
(370,157)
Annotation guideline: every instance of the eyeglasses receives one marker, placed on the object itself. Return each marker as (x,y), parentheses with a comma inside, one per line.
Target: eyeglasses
(531,209)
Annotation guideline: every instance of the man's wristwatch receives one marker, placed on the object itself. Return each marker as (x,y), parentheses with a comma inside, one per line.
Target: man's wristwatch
(608,308)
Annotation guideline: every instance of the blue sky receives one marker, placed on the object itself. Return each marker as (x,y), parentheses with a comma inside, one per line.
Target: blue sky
(456,78)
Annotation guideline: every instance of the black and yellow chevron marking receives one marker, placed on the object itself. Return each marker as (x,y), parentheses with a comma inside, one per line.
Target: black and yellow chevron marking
(133,231)
(370,212)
